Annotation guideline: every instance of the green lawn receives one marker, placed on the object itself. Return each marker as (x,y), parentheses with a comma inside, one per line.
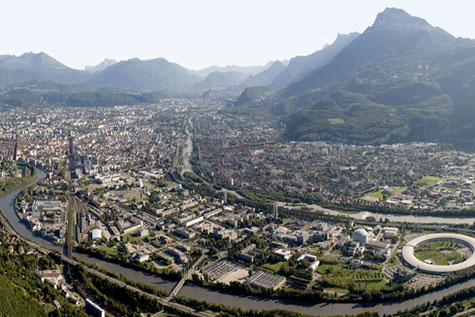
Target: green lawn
(109,250)
(338,289)
(438,257)
(398,189)
(341,276)
(377,194)
(322,268)
(132,237)
(441,252)
(336,252)
(274,267)
(428,181)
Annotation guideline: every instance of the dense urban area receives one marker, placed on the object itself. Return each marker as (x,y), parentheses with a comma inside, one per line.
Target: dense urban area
(224,203)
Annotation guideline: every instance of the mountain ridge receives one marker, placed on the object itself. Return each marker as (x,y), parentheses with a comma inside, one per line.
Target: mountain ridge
(153,74)
(300,66)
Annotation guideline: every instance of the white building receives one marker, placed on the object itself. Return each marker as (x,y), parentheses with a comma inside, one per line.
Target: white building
(96,234)
(361,236)
(283,254)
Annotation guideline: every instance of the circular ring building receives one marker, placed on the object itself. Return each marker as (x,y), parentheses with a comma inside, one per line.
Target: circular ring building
(410,258)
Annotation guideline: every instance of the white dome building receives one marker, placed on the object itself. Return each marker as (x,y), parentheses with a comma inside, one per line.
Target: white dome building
(361,236)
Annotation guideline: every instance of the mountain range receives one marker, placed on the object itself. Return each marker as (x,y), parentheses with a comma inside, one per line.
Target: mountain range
(136,74)
(133,74)
(160,74)
(401,80)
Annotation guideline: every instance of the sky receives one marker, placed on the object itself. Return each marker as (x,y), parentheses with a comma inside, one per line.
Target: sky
(200,33)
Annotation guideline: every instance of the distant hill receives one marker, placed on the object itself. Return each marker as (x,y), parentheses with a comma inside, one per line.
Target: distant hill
(136,74)
(221,80)
(351,117)
(49,93)
(248,70)
(252,94)
(16,76)
(239,80)
(265,77)
(31,66)
(41,85)
(101,66)
(31,61)
(299,67)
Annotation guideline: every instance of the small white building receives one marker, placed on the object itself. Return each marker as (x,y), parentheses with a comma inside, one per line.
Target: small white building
(193,221)
(390,232)
(96,234)
(283,254)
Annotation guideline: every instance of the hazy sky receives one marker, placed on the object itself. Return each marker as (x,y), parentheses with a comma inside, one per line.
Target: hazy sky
(199,33)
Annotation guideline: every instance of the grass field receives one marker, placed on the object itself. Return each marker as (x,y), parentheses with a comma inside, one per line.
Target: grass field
(398,189)
(379,194)
(340,276)
(428,181)
(274,267)
(132,237)
(441,252)
(438,257)
(110,251)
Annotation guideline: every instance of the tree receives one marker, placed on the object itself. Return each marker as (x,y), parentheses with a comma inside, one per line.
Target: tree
(453,309)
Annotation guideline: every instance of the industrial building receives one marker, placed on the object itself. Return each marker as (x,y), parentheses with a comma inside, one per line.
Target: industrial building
(265,280)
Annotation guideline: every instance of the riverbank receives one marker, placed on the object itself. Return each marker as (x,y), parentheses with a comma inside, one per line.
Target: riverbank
(168,275)
(11,184)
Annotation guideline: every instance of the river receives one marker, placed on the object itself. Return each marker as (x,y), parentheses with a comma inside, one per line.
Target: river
(378,216)
(245,302)
(188,150)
